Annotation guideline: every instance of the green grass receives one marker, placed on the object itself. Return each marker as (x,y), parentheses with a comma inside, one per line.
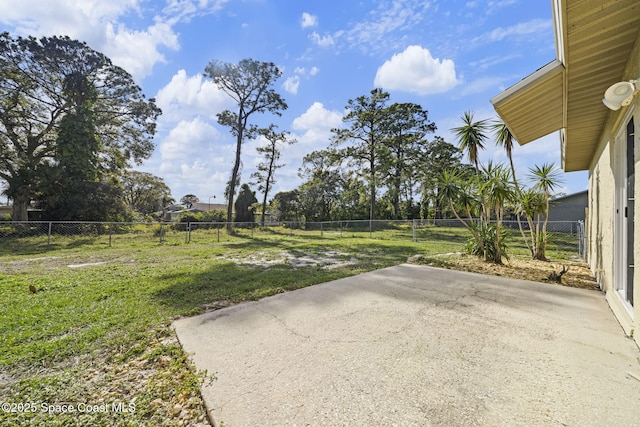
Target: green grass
(88,331)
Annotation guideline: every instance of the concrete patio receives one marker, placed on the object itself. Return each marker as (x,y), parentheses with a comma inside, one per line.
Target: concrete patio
(418,346)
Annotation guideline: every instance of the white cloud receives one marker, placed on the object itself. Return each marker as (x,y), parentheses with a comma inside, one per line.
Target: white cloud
(481,85)
(414,70)
(185,10)
(492,6)
(70,17)
(315,124)
(99,23)
(194,159)
(301,71)
(533,27)
(291,84)
(187,96)
(378,31)
(186,142)
(308,20)
(322,41)
(138,51)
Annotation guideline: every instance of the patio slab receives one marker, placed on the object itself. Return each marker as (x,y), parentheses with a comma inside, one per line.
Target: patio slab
(418,346)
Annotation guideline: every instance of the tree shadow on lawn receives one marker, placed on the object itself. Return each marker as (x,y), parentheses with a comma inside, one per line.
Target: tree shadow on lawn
(190,292)
(25,247)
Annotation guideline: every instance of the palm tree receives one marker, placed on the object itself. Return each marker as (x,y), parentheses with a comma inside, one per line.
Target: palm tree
(455,191)
(471,136)
(498,191)
(531,204)
(546,179)
(504,138)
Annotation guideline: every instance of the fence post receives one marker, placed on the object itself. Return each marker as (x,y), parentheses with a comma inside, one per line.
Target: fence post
(321,232)
(110,232)
(187,238)
(413,230)
(370,228)
(218,233)
(49,235)
(161,232)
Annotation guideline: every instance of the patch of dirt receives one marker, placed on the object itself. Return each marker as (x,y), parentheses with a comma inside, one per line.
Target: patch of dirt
(329,259)
(578,276)
(86,264)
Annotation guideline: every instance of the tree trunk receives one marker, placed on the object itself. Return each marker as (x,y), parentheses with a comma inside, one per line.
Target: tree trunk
(232,184)
(372,208)
(19,209)
(264,201)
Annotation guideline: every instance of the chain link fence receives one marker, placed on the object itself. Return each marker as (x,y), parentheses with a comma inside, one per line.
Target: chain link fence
(566,236)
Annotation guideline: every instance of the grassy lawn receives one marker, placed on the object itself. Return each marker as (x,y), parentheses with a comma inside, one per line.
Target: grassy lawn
(96,333)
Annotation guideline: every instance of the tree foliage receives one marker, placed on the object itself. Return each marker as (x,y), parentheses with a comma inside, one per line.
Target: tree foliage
(545,179)
(406,129)
(481,201)
(484,197)
(438,157)
(87,201)
(364,137)
(249,83)
(471,136)
(188,200)
(42,81)
(286,206)
(244,205)
(320,194)
(143,192)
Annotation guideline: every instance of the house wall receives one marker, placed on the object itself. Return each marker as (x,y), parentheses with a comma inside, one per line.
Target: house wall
(569,208)
(602,203)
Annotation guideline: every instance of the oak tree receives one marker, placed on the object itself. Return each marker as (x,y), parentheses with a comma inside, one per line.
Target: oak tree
(42,81)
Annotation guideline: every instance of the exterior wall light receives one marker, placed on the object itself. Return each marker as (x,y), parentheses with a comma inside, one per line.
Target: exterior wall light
(620,94)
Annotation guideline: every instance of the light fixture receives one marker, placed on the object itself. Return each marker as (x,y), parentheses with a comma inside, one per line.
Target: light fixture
(620,94)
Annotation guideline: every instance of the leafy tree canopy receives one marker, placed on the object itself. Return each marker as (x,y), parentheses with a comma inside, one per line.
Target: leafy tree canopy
(143,192)
(44,80)
(244,205)
(188,200)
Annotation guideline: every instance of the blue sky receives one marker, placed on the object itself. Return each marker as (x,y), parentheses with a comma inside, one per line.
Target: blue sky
(448,56)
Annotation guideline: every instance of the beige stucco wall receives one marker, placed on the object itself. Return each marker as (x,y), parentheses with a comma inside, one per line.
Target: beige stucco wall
(601,206)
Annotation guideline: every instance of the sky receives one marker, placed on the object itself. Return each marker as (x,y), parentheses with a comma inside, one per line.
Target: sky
(449,56)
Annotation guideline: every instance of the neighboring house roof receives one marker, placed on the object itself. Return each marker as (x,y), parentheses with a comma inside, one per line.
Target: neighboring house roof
(594,39)
(209,206)
(568,208)
(570,196)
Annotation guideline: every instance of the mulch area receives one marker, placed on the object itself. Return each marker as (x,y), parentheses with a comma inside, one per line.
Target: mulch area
(578,275)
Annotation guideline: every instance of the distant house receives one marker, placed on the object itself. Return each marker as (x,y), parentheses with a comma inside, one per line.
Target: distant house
(206,207)
(569,208)
(590,93)
(5,210)
(33,214)
(173,212)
